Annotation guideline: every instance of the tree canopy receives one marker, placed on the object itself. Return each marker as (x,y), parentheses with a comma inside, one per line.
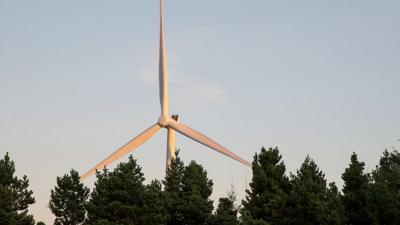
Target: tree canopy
(385,189)
(356,197)
(173,189)
(119,196)
(68,199)
(195,206)
(227,211)
(311,201)
(15,195)
(269,191)
(122,196)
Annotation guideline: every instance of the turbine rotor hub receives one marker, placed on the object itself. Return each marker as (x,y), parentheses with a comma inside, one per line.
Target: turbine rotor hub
(163,121)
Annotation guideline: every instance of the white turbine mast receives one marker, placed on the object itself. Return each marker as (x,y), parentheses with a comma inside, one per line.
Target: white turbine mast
(165,121)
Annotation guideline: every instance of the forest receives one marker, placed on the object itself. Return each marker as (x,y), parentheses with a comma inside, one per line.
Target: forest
(273,197)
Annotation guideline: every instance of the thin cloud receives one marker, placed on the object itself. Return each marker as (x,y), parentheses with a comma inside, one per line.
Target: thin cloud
(186,88)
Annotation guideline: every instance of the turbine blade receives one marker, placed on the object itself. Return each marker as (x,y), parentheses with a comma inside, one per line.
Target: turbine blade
(128,147)
(170,146)
(163,67)
(202,139)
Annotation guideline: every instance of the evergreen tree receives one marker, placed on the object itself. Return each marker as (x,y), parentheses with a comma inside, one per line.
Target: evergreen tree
(335,206)
(155,212)
(385,190)
(173,189)
(246,219)
(118,196)
(310,201)
(195,207)
(68,200)
(389,170)
(266,201)
(226,213)
(15,196)
(356,194)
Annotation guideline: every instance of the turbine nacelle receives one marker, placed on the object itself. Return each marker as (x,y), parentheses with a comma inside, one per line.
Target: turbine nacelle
(163,121)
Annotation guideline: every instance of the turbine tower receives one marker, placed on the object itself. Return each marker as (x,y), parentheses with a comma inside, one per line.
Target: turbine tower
(165,121)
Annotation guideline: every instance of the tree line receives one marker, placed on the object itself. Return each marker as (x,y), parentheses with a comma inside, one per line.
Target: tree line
(274,197)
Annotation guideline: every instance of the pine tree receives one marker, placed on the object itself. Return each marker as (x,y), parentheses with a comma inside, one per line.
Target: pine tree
(155,212)
(311,201)
(246,219)
(118,196)
(266,201)
(356,194)
(15,196)
(385,190)
(195,207)
(389,169)
(173,189)
(226,213)
(68,200)
(335,206)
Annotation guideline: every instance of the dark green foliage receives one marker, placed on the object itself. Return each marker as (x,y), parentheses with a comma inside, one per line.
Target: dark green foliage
(356,198)
(268,195)
(155,212)
(173,189)
(15,197)
(311,202)
(226,213)
(187,191)
(103,222)
(388,170)
(40,223)
(194,205)
(248,220)
(335,206)
(118,196)
(385,190)
(68,200)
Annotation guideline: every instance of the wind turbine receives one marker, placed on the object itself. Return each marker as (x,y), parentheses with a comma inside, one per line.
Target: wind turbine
(165,121)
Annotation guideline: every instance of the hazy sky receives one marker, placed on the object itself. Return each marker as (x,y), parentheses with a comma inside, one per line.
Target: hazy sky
(79,78)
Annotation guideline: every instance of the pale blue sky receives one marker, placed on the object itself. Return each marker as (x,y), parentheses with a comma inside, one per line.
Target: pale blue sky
(78,79)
